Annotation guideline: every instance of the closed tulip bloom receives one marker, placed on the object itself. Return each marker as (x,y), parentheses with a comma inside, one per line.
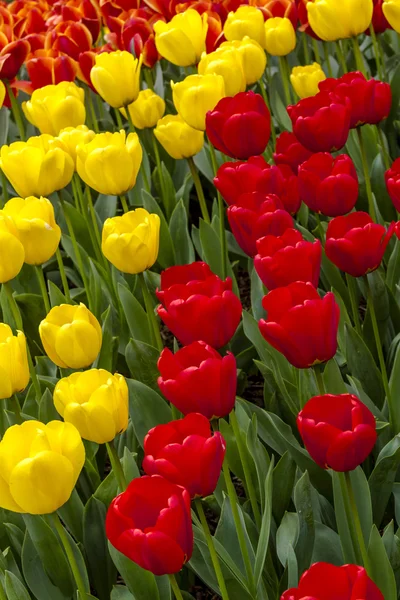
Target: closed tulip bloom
(198,305)
(392,178)
(36,226)
(131,242)
(72,137)
(12,253)
(328,185)
(187,453)
(331,24)
(178,138)
(338,431)
(37,167)
(2,93)
(254,59)
(240,126)
(283,259)
(300,324)
(305,80)
(54,107)
(280,180)
(379,21)
(195,96)
(346,582)
(280,36)
(245,21)
(151,524)
(116,77)
(71,336)
(40,465)
(198,379)
(183,40)
(289,151)
(110,162)
(391,10)
(14,367)
(355,244)
(95,402)
(312,120)
(147,109)
(12,57)
(280,8)
(228,63)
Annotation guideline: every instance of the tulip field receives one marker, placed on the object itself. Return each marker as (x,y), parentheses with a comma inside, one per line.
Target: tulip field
(200,300)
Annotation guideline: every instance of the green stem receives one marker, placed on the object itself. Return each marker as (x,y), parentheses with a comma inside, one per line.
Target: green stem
(328,63)
(221,214)
(316,51)
(357,523)
(92,110)
(386,158)
(319,379)
(283,389)
(70,556)
(199,190)
(246,468)
(129,119)
(367,179)
(124,203)
(97,235)
(306,49)
(175,587)
(148,78)
(164,197)
(118,119)
(63,276)
(350,518)
(358,56)
(340,56)
(211,547)
(17,408)
(4,187)
(376,51)
(43,288)
(150,312)
(351,284)
(116,466)
(16,111)
(285,80)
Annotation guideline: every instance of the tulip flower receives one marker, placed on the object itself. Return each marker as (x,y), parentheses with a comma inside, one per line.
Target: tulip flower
(300,324)
(355,244)
(280,8)
(12,57)
(289,151)
(36,227)
(182,40)
(305,80)
(151,524)
(391,10)
(338,431)
(12,253)
(198,379)
(147,109)
(245,21)
(37,167)
(95,402)
(71,336)
(331,24)
(195,96)
(116,77)
(228,63)
(346,582)
(328,185)
(137,35)
(280,36)
(280,180)
(379,21)
(72,137)
(14,367)
(254,59)
(110,162)
(198,305)
(39,466)
(187,453)
(48,67)
(392,178)
(131,242)
(286,258)
(178,138)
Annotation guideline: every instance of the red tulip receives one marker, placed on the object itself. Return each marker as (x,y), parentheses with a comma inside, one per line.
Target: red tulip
(198,305)
(305,27)
(338,431)
(300,324)
(256,215)
(280,180)
(72,39)
(287,258)
(137,36)
(198,379)
(12,57)
(392,178)
(323,581)
(290,152)
(322,122)
(187,453)
(370,100)
(151,524)
(240,126)
(379,21)
(47,67)
(328,185)
(355,244)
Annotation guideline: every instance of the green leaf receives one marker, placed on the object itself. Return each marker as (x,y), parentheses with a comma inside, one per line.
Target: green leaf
(383,476)
(284,474)
(286,536)
(56,296)
(327,546)
(363,500)
(141,359)
(304,506)
(35,576)
(105,359)
(71,514)
(333,379)
(121,592)
(178,228)
(262,546)
(14,588)
(166,254)
(141,583)
(101,569)
(341,520)
(380,569)
(47,411)
(79,226)
(147,409)
(259,455)
(135,315)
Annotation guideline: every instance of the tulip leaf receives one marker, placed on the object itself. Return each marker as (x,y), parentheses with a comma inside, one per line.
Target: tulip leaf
(259,455)
(55,294)
(4,127)
(166,254)
(141,583)
(283,480)
(203,164)
(72,515)
(380,568)
(135,315)
(327,546)
(16,537)
(36,577)
(141,359)
(258,291)
(80,227)
(107,357)
(383,476)
(178,228)
(333,379)
(287,536)
(14,588)
(101,568)
(262,546)
(341,520)
(120,592)
(305,542)
(147,408)
(106,207)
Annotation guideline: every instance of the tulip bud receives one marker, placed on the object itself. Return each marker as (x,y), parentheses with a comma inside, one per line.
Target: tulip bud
(254,59)
(183,40)
(228,63)
(147,109)
(280,36)
(116,77)
(95,402)
(178,138)
(110,162)
(195,96)
(72,137)
(12,253)
(392,178)
(131,242)
(14,366)
(71,336)
(39,466)
(331,24)
(305,80)
(245,21)
(391,10)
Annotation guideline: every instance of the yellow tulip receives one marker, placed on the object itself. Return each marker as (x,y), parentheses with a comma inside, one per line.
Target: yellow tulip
(332,22)
(245,21)
(183,40)
(39,466)
(147,109)
(305,80)
(95,402)
(254,59)
(391,10)
(131,242)
(228,63)
(71,336)
(178,138)
(12,253)
(54,107)
(37,167)
(280,36)
(36,226)
(71,137)
(116,77)
(110,162)
(195,96)
(14,369)
(2,93)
